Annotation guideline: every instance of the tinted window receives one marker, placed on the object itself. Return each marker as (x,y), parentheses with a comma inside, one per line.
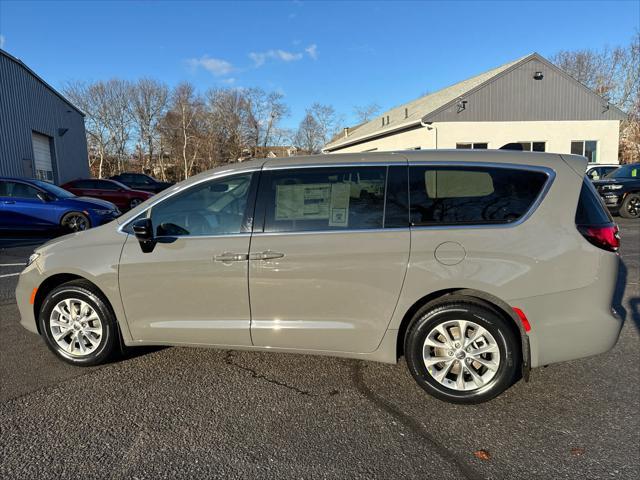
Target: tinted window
(471,195)
(86,184)
(626,171)
(591,210)
(53,189)
(21,190)
(332,198)
(211,208)
(105,185)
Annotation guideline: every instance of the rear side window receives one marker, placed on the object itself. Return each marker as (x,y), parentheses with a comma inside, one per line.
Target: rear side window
(313,199)
(471,195)
(591,209)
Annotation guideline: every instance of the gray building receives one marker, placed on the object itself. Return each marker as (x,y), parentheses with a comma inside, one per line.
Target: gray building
(42,134)
(528,101)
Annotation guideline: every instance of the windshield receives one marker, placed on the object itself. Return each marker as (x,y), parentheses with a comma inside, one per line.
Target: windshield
(626,171)
(53,190)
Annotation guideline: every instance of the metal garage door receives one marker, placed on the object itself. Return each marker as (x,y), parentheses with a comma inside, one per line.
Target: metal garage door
(42,156)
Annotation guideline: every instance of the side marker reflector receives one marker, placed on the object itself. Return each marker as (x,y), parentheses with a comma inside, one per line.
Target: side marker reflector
(523,319)
(33,295)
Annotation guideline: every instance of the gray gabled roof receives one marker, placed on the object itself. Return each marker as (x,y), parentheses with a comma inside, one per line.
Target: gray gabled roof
(409,115)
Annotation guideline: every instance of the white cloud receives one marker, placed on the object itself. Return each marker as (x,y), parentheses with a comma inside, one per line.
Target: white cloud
(1,41)
(312,51)
(260,58)
(215,66)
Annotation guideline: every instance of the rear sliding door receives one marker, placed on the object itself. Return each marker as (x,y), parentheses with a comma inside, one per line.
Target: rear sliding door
(325,272)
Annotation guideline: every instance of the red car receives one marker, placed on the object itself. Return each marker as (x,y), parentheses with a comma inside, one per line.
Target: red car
(122,196)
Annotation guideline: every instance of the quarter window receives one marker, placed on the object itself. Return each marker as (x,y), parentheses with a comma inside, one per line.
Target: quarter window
(335,198)
(217,207)
(586,148)
(471,195)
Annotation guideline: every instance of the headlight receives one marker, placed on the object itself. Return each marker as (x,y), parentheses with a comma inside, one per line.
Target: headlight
(106,212)
(612,187)
(32,258)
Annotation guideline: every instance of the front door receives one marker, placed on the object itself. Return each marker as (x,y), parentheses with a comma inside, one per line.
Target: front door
(192,287)
(325,274)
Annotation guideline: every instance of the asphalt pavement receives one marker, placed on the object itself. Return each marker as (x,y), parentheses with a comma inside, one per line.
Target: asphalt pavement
(200,413)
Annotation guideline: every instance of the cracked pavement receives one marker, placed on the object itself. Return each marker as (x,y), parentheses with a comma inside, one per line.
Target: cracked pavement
(194,413)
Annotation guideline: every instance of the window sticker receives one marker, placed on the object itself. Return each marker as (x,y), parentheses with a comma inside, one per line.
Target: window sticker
(302,202)
(315,201)
(339,207)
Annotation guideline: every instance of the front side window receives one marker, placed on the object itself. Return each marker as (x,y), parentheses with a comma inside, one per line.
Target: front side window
(332,198)
(20,190)
(105,185)
(217,207)
(586,148)
(626,171)
(471,195)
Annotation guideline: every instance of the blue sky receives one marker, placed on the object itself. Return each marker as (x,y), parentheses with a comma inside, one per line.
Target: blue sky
(343,53)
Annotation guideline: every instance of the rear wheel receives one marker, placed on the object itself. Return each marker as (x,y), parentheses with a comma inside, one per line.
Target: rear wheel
(77,324)
(75,222)
(462,351)
(630,207)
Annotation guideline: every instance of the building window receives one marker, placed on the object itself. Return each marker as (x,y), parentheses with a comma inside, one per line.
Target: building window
(533,146)
(472,146)
(587,148)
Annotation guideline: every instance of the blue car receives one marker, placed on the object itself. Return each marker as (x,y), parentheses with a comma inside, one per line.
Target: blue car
(34,205)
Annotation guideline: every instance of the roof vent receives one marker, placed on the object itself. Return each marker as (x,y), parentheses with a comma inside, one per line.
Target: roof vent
(538,76)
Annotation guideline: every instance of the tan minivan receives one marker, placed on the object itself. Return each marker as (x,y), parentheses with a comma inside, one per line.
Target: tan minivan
(474,265)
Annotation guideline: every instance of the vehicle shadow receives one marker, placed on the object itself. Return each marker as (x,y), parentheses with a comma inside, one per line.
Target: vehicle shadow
(618,295)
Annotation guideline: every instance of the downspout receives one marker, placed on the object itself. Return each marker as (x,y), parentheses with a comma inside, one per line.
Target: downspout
(430,126)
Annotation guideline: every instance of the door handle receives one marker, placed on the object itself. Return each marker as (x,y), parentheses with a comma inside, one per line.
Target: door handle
(266,255)
(228,257)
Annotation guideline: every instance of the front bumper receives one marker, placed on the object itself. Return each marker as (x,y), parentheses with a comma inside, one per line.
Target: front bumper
(28,282)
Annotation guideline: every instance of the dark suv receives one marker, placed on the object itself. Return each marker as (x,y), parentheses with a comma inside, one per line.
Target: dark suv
(140,181)
(621,190)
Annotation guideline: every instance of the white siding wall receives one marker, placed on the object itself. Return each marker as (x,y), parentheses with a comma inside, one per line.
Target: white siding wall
(558,136)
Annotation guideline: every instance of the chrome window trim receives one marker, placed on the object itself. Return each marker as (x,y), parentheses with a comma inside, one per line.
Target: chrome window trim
(382,163)
(551,175)
(322,232)
(222,174)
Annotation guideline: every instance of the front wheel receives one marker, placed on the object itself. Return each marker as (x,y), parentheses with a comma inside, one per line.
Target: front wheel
(77,324)
(75,222)
(462,351)
(630,207)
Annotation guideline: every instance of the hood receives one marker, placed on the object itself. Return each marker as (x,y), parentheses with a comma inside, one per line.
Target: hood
(85,202)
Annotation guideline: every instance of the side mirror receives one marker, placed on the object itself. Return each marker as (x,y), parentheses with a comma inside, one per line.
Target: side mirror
(44,197)
(143,230)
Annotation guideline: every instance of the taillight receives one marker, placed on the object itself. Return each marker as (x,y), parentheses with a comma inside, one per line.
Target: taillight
(606,237)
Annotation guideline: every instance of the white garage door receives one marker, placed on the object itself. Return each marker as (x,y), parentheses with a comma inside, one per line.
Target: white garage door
(42,157)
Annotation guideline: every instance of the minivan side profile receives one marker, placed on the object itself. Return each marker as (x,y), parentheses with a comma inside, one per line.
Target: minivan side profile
(476,266)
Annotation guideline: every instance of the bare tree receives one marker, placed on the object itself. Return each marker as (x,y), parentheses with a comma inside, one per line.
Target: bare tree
(264,113)
(611,73)
(149,100)
(308,137)
(92,99)
(615,75)
(367,112)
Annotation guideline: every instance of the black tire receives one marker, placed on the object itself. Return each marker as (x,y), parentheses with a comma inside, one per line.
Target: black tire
(75,222)
(630,207)
(135,202)
(87,292)
(481,313)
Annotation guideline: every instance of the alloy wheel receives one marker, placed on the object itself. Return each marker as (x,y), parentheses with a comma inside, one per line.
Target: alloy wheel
(76,222)
(461,355)
(76,327)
